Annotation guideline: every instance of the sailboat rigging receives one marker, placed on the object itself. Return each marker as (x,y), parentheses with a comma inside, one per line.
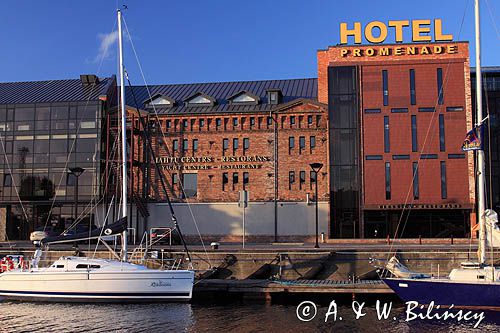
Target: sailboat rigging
(76,279)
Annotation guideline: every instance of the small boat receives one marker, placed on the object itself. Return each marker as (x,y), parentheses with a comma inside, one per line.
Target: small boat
(77,279)
(474,284)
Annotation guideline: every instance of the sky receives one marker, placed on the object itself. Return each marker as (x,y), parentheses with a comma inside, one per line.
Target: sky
(187,41)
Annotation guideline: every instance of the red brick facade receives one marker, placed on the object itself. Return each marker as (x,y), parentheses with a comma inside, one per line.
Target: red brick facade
(453,60)
(300,119)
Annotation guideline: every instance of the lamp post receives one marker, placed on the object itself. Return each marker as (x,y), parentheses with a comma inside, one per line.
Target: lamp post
(77,172)
(316,167)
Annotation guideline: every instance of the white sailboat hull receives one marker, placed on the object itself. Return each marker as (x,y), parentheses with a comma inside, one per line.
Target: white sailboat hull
(114,283)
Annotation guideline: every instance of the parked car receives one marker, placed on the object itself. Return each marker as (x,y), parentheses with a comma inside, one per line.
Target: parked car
(41,233)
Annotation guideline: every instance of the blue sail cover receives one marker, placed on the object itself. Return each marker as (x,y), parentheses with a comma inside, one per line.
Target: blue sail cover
(108,230)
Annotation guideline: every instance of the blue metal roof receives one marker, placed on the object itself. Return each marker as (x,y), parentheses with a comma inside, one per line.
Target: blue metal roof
(291,89)
(53,91)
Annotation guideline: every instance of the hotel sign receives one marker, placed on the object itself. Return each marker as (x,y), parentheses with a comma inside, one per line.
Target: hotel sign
(420,30)
(212,162)
(376,32)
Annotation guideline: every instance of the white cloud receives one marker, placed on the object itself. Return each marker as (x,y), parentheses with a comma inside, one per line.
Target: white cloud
(107,41)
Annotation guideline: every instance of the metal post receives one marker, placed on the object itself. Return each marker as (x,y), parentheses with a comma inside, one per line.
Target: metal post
(244,226)
(275,179)
(76,197)
(316,167)
(480,153)
(123,136)
(316,185)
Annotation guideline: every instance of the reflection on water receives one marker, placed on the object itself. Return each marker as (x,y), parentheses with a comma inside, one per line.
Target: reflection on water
(233,317)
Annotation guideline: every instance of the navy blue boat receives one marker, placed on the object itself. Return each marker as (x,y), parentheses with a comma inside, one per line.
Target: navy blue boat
(445,292)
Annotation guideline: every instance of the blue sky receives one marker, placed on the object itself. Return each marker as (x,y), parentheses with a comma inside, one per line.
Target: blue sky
(205,41)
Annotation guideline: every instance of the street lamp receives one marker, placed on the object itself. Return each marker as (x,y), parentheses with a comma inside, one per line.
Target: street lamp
(77,172)
(316,167)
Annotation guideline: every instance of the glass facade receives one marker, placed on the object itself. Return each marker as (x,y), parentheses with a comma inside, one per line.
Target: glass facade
(39,144)
(344,166)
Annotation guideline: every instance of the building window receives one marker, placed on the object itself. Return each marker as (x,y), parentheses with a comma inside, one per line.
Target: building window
(252,122)
(70,179)
(201,123)
(385,87)
(428,156)
(243,122)
(302,179)
(269,121)
(442,145)
(193,121)
(225,180)
(168,124)
(429,109)
(373,110)
(387,181)
(195,145)
(291,179)
(226,121)
(185,124)
(190,185)
(373,157)
(312,179)
(235,180)
(414,144)
(235,122)
(302,143)
(413,96)
(456,156)
(175,145)
(387,145)
(283,119)
(454,109)
(291,144)
(309,120)
(399,110)
(209,122)
(444,191)
(218,123)
(400,157)
(185,145)
(235,145)
(440,86)
(246,179)
(292,120)
(175,179)
(7,180)
(225,146)
(312,142)
(246,145)
(416,191)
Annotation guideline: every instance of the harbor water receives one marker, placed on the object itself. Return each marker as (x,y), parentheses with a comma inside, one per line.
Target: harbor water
(209,317)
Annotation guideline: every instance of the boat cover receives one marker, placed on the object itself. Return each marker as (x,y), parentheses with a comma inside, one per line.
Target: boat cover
(491,228)
(108,230)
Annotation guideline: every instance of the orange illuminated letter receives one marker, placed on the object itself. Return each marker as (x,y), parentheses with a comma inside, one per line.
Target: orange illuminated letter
(398,25)
(418,27)
(356,32)
(438,32)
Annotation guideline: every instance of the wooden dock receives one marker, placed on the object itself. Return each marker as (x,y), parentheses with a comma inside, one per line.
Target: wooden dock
(292,286)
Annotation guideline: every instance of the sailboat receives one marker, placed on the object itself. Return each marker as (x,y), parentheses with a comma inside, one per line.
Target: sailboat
(80,279)
(474,284)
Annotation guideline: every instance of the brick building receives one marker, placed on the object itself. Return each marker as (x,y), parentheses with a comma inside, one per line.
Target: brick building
(398,114)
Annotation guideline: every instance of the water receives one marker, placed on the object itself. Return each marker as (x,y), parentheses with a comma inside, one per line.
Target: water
(206,317)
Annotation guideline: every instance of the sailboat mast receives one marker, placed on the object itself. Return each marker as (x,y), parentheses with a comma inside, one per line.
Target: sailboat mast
(480,153)
(124,135)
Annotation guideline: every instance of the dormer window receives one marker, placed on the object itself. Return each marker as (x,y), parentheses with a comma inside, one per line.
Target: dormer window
(243,98)
(274,96)
(199,99)
(159,101)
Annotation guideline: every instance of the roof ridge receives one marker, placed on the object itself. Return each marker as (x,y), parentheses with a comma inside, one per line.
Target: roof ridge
(54,80)
(218,82)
